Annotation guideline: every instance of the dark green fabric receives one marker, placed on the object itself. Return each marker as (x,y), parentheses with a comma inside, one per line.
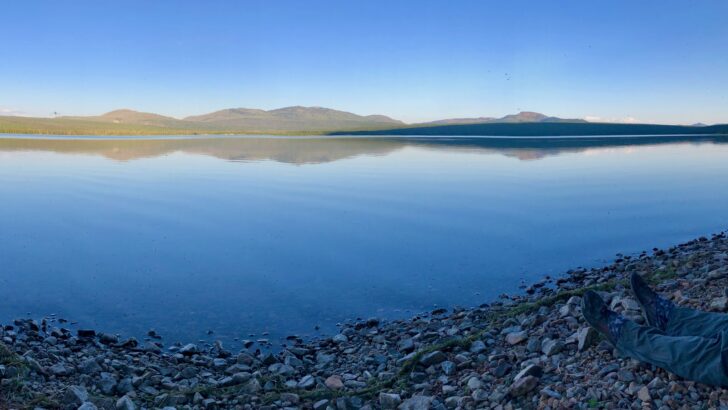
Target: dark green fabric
(694,345)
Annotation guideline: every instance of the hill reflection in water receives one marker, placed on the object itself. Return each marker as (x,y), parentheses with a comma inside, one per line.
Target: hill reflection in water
(316,150)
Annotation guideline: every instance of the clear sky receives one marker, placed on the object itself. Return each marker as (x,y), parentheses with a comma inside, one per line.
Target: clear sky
(654,61)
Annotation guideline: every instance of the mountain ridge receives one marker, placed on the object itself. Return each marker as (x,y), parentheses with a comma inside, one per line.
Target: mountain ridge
(523,116)
(300,120)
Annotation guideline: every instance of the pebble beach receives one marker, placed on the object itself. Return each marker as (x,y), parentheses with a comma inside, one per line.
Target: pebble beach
(529,350)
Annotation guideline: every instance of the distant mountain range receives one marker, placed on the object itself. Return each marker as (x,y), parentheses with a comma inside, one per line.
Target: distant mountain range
(523,116)
(320,121)
(288,119)
(314,150)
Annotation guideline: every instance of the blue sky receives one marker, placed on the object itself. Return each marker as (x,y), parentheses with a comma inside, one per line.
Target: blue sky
(653,61)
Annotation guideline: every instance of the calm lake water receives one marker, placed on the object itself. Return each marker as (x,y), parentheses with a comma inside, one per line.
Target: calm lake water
(244,235)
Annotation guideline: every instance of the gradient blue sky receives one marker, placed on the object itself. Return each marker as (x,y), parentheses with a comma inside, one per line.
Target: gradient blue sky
(655,61)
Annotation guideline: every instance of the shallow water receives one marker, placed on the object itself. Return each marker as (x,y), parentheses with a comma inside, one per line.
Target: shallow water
(243,235)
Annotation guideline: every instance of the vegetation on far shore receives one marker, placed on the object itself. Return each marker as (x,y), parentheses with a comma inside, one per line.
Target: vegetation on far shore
(324,121)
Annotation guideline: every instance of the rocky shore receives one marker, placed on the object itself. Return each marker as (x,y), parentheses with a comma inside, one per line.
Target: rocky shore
(531,350)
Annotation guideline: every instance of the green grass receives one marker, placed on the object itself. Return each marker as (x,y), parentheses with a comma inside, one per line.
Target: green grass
(97,126)
(80,126)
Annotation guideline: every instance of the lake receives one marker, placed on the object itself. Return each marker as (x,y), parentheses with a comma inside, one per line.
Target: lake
(272,236)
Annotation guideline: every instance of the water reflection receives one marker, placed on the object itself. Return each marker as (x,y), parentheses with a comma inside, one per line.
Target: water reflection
(190,240)
(316,150)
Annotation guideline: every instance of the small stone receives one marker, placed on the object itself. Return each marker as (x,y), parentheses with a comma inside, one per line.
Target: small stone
(515,338)
(644,394)
(568,310)
(106,383)
(334,382)
(124,386)
(448,367)
(290,398)
(433,358)
(530,370)
(389,401)
(340,338)
(656,384)
(89,366)
(502,369)
(629,304)
(321,404)
(189,349)
(550,393)
(533,345)
(269,359)
(625,376)
(586,338)
(523,386)
(406,345)
(474,383)
(417,403)
(306,382)
(480,395)
(125,403)
(59,369)
(550,347)
(252,386)
(108,339)
(75,396)
(87,406)
(477,347)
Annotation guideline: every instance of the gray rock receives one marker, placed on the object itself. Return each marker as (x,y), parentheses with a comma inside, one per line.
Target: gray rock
(523,386)
(474,383)
(125,403)
(87,406)
(75,396)
(515,338)
(252,386)
(406,345)
(334,382)
(280,368)
(448,367)
(550,347)
(321,404)
(306,382)
(586,338)
(417,403)
(477,347)
(644,394)
(59,369)
(550,393)
(530,370)
(189,349)
(106,383)
(125,386)
(89,366)
(108,339)
(340,338)
(533,345)
(389,401)
(323,359)
(433,358)
(290,398)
